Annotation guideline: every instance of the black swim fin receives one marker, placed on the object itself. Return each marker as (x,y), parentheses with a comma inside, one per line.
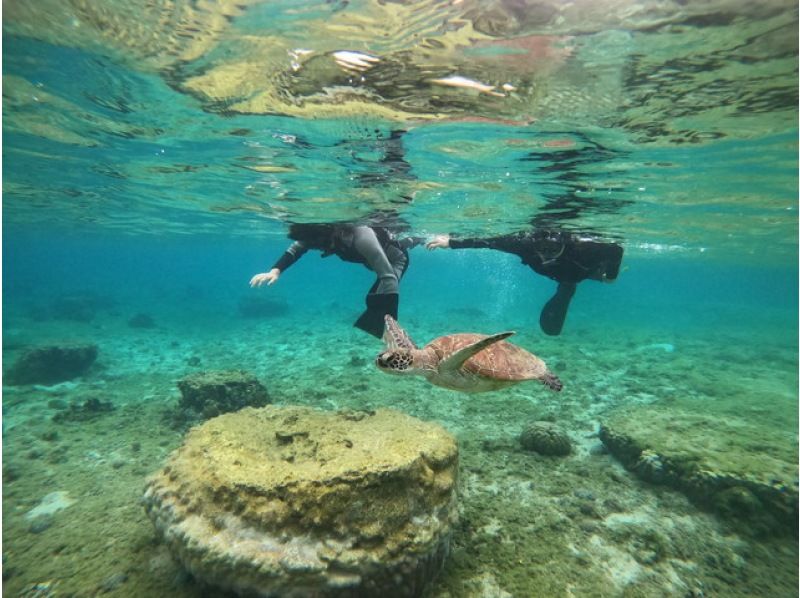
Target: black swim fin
(378,306)
(554,311)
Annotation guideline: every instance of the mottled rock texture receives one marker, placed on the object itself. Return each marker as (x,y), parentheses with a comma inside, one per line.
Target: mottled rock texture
(51,364)
(290,501)
(212,393)
(739,468)
(546,438)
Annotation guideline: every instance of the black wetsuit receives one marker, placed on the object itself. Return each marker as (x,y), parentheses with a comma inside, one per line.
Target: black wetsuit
(557,255)
(568,259)
(375,248)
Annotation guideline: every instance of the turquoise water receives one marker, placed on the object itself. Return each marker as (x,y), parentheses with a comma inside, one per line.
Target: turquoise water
(154,155)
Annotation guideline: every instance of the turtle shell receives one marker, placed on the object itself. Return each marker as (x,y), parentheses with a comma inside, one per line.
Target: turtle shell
(499,361)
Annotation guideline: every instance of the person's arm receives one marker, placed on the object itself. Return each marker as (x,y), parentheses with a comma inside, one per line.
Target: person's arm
(289,257)
(472,244)
(439,242)
(443,241)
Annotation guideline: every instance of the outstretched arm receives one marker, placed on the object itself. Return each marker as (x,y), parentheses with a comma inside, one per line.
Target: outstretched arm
(442,241)
(439,242)
(289,257)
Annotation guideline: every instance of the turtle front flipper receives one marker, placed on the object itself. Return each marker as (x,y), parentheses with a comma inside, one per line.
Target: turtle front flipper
(395,337)
(457,359)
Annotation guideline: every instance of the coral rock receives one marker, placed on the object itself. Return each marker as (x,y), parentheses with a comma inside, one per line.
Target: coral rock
(743,469)
(258,306)
(289,501)
(213,393)
(142,320)
(51,364)
(546,438)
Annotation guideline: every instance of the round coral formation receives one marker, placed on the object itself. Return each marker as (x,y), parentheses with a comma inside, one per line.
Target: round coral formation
(291,501)
(546,438)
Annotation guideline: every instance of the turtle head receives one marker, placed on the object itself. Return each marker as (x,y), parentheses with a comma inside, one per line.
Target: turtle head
(401,353)
(396,361)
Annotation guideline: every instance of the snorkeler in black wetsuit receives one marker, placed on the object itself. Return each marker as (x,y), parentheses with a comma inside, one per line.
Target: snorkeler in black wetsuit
(373,246)
(566,258)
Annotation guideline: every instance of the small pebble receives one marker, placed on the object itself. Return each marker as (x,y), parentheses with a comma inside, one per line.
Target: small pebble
(50,435)
(117,463)
(588,509)
(10,473)
(40,524)
(598,449)
(113,582)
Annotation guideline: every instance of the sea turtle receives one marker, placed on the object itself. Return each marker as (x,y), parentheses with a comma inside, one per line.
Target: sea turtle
(466,362)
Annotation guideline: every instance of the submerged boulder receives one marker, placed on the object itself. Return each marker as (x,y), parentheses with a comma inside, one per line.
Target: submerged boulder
(291,502)
(84,410)
(51,364)
(260,306)
(79,306)
(208,394)
(546,438)
(142,320)
(743,470)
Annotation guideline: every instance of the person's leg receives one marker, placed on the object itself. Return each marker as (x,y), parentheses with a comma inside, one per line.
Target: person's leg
(383,298)
(554,311)
(366,242)
(398,259)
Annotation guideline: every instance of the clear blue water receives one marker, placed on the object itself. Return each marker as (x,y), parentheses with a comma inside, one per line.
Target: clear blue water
(155,154)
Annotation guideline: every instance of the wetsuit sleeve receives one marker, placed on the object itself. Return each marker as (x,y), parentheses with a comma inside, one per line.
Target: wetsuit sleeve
(410,242)
(471,244)
(290,256)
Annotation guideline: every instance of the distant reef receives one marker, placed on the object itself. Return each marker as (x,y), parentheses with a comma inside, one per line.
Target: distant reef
(51,364)
(260,306)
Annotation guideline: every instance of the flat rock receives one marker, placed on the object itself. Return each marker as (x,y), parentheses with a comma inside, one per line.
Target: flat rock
(50,504)
(742,469)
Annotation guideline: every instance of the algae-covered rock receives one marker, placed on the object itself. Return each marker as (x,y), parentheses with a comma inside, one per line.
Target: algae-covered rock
(546,438)
(142,320)
(289,501)
(742,469)
(51,364)
(84,410)
(209,394)
(260,306)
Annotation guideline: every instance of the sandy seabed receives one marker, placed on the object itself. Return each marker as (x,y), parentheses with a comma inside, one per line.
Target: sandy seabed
(530,525)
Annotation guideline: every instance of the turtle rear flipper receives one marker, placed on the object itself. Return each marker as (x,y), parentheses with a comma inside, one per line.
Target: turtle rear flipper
(457,359)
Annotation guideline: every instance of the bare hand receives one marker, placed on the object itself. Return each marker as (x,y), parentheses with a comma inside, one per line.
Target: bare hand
(268,278)
(439,241)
